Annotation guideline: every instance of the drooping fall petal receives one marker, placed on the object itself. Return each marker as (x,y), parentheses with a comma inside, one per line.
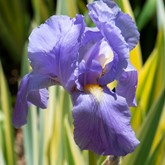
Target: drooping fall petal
(102,122)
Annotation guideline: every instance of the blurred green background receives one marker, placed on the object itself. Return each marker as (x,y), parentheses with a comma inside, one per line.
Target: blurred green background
(47,139)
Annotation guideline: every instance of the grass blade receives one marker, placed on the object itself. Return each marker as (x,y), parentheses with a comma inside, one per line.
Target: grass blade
(156,156)
(2,142)
(8,134)
(74,153)
(67,7)
(147,12)
(147,133)
(150,82)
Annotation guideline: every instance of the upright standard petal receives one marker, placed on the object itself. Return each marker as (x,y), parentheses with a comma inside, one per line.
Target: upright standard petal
(68,50)
(102,122)
(113,70)
(128,29)
(42,41)
(95,48)
(88,74)
(127,83)
(53,48)
(104,17)
(121,20)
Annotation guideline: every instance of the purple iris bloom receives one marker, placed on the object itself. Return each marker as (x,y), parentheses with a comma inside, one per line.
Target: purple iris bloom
(86,62)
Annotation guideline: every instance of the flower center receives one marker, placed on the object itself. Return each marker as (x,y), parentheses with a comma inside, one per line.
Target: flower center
(95,90)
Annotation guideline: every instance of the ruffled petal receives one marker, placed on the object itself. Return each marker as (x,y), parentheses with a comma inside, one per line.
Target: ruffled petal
(102,123)
(104,17)
(68,50)
(88,74)
(128,29)
(42,41)
(95,49)
(113,70)
(40,81)
(39,98)
(44,63)
(32,89)
(53,48)
(127,84)
(91,34)
(113,7)
(90,45)
(123,21)
(37,92)
(21,107)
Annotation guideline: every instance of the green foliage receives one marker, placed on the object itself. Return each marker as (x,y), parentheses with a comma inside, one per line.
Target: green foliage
(7,138)
(48,136)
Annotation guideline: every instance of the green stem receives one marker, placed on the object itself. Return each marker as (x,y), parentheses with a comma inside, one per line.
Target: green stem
(92,158)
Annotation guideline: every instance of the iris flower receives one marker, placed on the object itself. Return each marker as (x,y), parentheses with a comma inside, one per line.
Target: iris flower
(86,62)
